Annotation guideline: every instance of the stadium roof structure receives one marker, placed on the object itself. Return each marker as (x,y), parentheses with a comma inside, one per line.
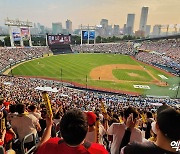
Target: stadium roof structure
(17,22)
(177,36)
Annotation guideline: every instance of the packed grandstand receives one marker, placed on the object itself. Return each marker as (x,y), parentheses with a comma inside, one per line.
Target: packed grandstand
(105,113)
(159,53)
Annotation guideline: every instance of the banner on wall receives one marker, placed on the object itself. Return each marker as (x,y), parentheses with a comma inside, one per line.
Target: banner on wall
(25,34)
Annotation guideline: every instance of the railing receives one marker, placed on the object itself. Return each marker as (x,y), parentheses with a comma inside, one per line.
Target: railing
(23,144)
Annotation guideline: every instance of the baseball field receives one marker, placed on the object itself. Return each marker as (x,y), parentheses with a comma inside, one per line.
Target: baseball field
(112,72)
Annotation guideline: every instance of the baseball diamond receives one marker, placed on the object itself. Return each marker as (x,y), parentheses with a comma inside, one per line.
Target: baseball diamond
(111,72)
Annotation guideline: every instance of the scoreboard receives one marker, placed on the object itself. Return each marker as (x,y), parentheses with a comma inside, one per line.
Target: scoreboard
(58,39)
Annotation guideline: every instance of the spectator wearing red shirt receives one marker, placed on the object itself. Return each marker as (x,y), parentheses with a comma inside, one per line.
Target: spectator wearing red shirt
(73,127)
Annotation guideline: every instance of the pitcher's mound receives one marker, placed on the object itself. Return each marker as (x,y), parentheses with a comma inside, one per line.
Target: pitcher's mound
(105,72)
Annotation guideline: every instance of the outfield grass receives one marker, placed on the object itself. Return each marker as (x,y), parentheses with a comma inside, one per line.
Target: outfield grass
(75,67)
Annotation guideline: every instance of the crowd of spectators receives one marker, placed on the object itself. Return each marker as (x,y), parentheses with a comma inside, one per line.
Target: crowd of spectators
(23,90)
(151,58)
(81,118)
(121,48)
(170,48)
(23,104)
(13,55)
(162,52)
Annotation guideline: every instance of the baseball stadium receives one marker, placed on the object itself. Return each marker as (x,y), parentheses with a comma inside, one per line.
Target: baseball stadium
(63,86)
(89,77)
(106,70)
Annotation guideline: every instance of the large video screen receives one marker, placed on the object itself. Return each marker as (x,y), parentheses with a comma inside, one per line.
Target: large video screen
(59,39)
(25,34)
(85,35)
(91,35)
(16,34)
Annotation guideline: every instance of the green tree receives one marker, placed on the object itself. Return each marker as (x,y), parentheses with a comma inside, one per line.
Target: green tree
(98,39)
(75,39)
(7,41)
(38,41)
(26,43)
(1,43)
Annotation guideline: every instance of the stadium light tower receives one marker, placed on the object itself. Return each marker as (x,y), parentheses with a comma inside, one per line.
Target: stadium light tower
(88,33)
(23,27)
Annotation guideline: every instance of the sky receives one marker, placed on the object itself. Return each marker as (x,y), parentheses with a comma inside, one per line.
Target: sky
(89,11)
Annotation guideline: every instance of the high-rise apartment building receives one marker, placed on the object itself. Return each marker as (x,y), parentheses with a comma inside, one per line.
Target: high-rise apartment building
(42,29)
(116,30)
(156,30)
(104,23)
(105,28)
(69,26)
(57,28)
(143,20)
(148,30)
(130,24)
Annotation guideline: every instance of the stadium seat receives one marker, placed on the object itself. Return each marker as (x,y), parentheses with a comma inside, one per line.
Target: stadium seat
(31,148)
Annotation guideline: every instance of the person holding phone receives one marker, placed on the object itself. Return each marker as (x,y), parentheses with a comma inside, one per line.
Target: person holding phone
(118,130)
(167,129)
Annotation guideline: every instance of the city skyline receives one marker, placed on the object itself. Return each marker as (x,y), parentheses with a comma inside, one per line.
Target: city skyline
(48,11)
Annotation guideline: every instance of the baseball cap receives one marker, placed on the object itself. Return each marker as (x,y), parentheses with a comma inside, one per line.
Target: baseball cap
(91,118)
(168,120)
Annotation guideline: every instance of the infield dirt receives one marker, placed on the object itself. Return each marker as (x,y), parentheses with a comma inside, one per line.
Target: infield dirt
(105,73)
